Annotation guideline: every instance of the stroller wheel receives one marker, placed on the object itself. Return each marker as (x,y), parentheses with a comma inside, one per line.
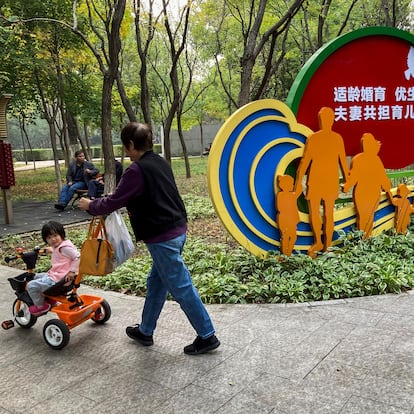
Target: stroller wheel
(56,333)
(22,315)
(103,313)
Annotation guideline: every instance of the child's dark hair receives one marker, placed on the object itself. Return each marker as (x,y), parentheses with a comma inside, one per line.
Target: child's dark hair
(53,227)
(139,134)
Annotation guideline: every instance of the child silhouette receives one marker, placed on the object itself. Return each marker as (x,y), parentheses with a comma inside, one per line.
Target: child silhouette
(404,209)
(287,216)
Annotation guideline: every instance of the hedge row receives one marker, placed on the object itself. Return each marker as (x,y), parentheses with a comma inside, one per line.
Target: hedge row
(44,154)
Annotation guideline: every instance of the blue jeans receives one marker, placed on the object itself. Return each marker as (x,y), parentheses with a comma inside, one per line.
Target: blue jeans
(169,274)
(68,190)
(37,286)
(95,188)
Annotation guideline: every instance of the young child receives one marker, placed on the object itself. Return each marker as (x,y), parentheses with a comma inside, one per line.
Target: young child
(287,217)
(65,265)
(404,209)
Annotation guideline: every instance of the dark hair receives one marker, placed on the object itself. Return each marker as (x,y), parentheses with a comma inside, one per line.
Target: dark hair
(139,134)
(53,227)
(78,152)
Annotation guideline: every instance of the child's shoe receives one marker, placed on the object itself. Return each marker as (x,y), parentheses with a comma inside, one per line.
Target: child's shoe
(51,301)
(39,310)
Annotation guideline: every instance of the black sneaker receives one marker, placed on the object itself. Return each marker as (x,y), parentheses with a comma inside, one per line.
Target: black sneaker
(201,346)
(59,206)
(134,333)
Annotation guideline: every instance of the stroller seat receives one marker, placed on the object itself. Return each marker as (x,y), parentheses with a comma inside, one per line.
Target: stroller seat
(61,288)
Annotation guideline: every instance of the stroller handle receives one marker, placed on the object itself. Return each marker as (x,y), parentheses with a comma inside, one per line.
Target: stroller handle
(29,258)
(10,258)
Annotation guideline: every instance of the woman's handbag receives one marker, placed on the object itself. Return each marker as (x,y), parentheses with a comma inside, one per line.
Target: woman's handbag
(97,254)
(119,236)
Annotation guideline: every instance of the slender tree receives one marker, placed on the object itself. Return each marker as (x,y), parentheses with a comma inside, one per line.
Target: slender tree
(145,23)
(107,21)
(176,45)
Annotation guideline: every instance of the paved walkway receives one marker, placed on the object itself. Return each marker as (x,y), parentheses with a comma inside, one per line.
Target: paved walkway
(346,356)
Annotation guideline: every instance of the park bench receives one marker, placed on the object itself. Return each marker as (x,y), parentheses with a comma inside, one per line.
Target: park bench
(77,196)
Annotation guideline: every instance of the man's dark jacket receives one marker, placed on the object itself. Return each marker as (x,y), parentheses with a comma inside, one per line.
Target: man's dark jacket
(86,177)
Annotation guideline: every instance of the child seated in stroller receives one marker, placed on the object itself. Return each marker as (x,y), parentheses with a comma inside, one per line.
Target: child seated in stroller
(65,265)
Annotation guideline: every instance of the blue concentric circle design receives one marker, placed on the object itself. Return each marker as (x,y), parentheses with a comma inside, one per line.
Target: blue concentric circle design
(257,143)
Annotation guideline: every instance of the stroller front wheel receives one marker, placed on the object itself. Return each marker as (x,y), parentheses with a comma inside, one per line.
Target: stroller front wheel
(22,315)
(56,333)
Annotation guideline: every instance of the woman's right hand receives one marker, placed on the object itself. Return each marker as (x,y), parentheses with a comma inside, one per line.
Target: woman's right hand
(84,203)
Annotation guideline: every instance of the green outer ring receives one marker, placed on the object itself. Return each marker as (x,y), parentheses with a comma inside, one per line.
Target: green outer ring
(315,61)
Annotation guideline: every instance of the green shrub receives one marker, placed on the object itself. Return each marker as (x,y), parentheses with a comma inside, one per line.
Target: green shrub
(226,273)
(232,275)
(44,154)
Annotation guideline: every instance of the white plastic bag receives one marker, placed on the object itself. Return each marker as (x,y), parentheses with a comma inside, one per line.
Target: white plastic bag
(120,238)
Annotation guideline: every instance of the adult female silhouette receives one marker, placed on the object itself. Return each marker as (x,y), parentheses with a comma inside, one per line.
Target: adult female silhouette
(368,176)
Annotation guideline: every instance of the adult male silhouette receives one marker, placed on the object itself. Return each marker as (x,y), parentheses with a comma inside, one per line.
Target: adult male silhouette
(324,151)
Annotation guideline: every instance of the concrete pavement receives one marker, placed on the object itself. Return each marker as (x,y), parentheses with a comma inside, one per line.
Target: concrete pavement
(345,356)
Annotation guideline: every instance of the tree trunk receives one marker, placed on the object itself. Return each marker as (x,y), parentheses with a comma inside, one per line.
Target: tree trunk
(254,42)
(110,76)
(86,136)
(52,131)
(167,142)
(142,48)
(124,98)
(107,148)
(175,54)
(83,141)
(184,146)
(49,113)
(200,124)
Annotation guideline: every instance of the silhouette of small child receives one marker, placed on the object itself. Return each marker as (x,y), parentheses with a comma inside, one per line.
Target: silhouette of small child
(287,216)
(404,209)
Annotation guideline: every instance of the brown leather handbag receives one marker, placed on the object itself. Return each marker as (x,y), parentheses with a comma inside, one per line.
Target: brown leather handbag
(97,256)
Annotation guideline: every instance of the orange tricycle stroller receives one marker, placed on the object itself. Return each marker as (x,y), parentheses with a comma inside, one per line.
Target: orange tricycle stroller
(71,308)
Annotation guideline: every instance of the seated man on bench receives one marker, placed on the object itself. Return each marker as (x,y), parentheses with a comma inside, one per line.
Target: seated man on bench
(96,186)
(79,173)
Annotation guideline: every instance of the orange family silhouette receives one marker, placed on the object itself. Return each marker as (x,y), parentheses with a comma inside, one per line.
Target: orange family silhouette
(287,213)
(368,176)
(404,209)
(324,151)
(323,156)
